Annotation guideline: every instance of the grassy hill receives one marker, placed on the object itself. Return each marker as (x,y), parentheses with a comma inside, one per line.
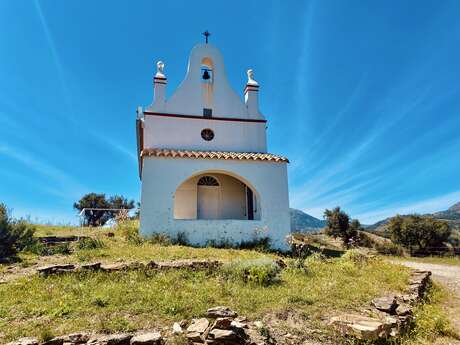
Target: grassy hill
(308,291)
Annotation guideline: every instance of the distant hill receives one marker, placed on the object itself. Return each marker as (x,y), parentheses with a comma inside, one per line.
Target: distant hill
(302,222)
(451,215)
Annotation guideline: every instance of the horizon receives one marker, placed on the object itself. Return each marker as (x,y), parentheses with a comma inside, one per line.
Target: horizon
(361,97)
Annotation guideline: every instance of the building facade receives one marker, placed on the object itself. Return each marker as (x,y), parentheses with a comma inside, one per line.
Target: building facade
(203,160)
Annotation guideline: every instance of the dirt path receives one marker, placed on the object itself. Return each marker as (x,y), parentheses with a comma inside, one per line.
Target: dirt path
(449,276)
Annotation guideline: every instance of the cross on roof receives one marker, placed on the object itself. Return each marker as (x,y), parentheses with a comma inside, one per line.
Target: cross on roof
(206,34)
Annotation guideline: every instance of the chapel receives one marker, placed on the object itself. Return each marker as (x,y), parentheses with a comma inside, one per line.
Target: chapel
(203,162)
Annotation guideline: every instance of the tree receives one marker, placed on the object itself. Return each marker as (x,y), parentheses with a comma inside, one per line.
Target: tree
(338,225)
(421,234)
(100,209)
(14,235)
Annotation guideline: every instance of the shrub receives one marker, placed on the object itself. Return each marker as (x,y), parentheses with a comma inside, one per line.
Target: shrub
(43,250)
(259,271)
(130,231)
(420,234)
(14,235)
(389,248)
(90,243)
(160,238)
(356,256)
(181,239)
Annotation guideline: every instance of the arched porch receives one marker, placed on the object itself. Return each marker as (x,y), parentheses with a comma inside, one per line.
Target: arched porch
(214,196)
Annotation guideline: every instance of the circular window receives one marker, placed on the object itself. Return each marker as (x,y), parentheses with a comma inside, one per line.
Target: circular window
(207,134)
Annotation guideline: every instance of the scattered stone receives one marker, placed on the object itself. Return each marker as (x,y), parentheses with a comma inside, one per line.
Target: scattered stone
(386,304)
(194,336)
(112,339)
(198,326)
(94,266)
(55,341)
(220,311)
(403,310)
(54,269)
(136,265)
(258,324)
(361,327)
(238,324)
(223,336)
(184,323)
(75,338)
(114,267)
(25,341)
(222,323)
(177,329)
(153,338)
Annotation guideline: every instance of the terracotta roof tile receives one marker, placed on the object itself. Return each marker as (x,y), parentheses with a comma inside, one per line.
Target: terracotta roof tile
(255,156)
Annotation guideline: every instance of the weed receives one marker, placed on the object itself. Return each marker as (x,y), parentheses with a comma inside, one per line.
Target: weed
(261,272)
(90,243)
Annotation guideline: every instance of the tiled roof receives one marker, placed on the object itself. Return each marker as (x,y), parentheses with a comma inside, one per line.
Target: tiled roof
(255,156)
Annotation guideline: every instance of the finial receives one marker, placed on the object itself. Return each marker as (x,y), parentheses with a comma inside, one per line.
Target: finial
(206,34)
(251,80)
(160,69)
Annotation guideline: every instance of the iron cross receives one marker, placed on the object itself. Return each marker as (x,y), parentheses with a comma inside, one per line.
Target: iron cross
(206,34)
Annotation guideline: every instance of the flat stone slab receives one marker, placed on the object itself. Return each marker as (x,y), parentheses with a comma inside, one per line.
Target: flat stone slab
(152,338)
(363,327)
(221,311)
(198,326)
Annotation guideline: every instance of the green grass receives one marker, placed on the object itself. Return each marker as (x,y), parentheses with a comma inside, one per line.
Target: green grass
(432,325)
(137,299)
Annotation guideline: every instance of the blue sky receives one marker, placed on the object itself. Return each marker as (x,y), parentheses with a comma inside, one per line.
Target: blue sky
(362,96)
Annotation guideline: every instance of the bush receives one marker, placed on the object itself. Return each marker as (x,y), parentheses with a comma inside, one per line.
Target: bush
(259,271)
(130,231)
(57,249)
(160,238)
(14,235)
(90,243)
(389,248)
(420,234)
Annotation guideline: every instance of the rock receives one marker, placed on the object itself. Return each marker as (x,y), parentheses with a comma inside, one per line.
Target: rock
(194,336)
(386,304)
(153,338)
(76,338)
(54,341)
(177,329)
(220,311)
(223,336)
(112,339)
(403,310)
(238,324)
(222,323)
(25,341)
(94,266)
(114,267)
(55,269)
(136,265)
(258,324)
(198,326)
(362,327)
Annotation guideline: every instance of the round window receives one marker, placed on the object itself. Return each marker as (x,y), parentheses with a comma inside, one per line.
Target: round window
(207,134)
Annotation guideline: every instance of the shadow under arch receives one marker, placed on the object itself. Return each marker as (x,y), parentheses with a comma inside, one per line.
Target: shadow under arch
(230,200)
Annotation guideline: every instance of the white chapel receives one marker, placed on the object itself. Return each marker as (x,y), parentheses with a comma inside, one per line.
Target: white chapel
(203,160)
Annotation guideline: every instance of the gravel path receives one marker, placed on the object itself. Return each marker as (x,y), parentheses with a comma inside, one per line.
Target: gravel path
(449,276)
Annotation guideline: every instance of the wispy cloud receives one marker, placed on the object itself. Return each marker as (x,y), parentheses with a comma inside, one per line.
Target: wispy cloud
(62,184)
(435,204)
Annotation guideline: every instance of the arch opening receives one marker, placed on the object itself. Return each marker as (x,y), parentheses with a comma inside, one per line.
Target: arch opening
(215,196)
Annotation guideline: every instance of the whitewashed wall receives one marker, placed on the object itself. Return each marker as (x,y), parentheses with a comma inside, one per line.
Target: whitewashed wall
(165,175)
(183,133)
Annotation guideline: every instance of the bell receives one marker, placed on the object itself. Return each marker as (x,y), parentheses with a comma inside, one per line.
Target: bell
(206,75)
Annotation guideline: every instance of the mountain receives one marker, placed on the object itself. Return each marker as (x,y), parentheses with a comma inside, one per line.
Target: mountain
(451,215)
(301,222)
